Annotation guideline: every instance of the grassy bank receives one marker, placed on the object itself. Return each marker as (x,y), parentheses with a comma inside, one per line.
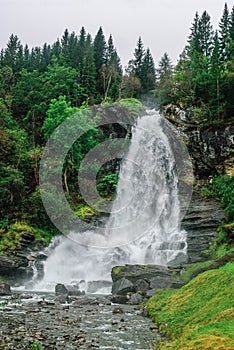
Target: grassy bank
(200,315)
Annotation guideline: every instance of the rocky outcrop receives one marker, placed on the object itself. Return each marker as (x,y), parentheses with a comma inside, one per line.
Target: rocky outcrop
(136,282)
(201,222)
(15,267)
(212,150)
(67,290)
(210,147)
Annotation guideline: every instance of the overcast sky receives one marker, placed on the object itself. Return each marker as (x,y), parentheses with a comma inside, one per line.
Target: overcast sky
(162,24)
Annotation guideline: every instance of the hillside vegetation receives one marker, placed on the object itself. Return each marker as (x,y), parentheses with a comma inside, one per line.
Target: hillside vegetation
(200,315)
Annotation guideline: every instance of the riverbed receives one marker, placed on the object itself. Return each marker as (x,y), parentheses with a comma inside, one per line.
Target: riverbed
(39,321)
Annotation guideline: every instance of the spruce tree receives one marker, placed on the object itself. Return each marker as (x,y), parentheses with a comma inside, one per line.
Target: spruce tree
(99,59)
(215,77)
(194,43)
(164,80)
(81,54)
(205,34)
(138,59)
(56,49)
(148,72)
(231,30)
(13,54)
(224,39)
(89,70)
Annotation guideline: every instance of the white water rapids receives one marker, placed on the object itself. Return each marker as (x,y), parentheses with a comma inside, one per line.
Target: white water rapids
(144,224)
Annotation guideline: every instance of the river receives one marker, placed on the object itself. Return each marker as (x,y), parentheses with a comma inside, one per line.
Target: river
(87,322)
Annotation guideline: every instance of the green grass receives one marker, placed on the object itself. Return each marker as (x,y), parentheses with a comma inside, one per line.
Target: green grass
(200,315)
(188,273)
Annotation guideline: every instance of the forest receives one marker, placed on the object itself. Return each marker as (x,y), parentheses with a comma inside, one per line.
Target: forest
(42,86)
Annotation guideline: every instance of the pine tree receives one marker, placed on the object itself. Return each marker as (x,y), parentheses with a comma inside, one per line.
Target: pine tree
(215,77)
(99,58)
(35,59)
(148,72)
(231,30)
(81,54)
(13,54)
(206,34)
(26,57)
(164,85)
(64,57)
(224,39)
(46,56)
(111,71)
(73,51)
(56,49)
(194,43)
(138,59)
(89,70)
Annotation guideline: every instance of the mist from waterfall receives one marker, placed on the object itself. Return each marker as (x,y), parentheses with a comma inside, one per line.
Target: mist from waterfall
(144,224)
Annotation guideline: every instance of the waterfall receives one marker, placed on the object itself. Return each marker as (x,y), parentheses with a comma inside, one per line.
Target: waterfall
(144,224)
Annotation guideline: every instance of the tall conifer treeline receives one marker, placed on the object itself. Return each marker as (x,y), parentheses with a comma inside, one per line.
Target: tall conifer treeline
(40,86)
(204,75)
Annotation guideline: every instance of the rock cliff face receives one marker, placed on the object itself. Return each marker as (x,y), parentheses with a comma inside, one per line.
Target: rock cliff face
(212,150)
(19,266)
(201,222)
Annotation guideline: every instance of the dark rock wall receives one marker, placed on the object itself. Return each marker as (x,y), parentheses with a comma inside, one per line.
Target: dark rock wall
(201,222)
(212,150)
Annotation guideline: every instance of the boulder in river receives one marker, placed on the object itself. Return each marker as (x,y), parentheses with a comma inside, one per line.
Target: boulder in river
(135,299)
(60,289)
(5,289)
(122,286)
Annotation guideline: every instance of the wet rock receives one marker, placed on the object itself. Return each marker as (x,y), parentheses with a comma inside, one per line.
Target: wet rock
(212,149)
(117,310)
(5,289)
(135,273)
(15,267)
(119,299)
(144,278)
(165,282)
(122,286)
(141,285)
(74,290)
(25,296)
(201,222)
(60,289)
(135,299)
(62,299)
(150,293)
(85,301)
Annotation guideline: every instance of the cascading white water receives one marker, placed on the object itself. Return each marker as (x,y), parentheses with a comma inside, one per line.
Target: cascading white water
(144,225)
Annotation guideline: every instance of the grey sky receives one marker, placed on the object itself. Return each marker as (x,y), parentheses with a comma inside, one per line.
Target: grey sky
(163,24)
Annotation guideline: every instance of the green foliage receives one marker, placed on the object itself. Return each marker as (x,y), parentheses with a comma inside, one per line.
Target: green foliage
(200,314)
(36,346)
(86,211)
(195,269)
(206,193)
(133,105)
(107,184)
(223,189)
(11,236)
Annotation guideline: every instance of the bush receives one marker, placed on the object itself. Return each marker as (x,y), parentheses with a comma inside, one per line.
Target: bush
(223,189)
